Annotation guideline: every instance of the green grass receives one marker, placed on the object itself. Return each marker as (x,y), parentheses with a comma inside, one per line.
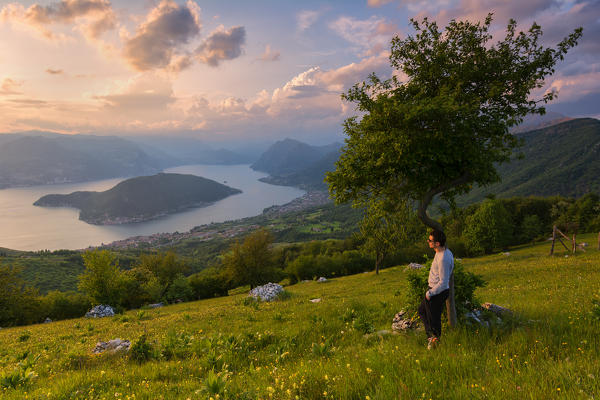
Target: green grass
(240,350)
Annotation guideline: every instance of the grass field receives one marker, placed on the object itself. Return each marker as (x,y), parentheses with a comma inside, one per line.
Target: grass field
(229,348)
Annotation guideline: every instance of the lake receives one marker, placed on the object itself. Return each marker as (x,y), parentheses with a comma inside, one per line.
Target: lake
(24,226)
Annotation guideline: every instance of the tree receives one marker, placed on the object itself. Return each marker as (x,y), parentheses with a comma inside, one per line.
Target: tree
(441,123)
(446,126)
(489,228)
(102,280)
(166,267)
(251,262)
(19,303)
(386,228)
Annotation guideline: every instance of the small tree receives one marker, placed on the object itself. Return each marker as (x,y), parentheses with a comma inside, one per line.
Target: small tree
(384,229)
(489,228)
(102,279)
(165,267)
(19,303)
(251,262)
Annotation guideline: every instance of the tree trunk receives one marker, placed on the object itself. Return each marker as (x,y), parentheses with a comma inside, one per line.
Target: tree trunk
(450,306)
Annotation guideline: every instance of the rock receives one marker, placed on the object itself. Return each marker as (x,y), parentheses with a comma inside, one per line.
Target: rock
(112,346)
(322,279)
(155,305)
(496,309)
(402,323)
(315,300)
(268,292)
(47,320)
(100,311)
(414,266)
(506,254)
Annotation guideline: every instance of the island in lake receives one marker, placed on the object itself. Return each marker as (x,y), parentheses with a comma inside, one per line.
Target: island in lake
(141,199)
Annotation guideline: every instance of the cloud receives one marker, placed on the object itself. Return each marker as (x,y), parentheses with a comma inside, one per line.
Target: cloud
(54,71)
(159,40)
(306,19)
(10,87)
(222,45)
(375,31)
(270,54)
(97,15)
(377,3)
(145,93)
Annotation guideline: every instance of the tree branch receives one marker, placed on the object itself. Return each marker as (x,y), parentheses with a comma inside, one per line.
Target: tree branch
(426,200)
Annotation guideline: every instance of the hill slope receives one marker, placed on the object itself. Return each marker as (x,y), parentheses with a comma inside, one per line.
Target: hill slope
(562,159)
(142,198)
(295,347)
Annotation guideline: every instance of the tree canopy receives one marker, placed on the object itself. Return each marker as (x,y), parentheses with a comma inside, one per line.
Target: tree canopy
(441,123)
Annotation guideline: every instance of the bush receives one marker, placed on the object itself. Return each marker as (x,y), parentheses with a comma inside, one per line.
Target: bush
(63,305)
(19,303)
(465,284)
(489,228)
(209,283)
(179,289)
(141,351)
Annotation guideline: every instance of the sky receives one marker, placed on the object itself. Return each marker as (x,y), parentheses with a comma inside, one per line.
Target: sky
(232,70)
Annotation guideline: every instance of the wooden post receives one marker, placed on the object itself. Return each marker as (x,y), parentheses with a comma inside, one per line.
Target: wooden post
(574,244)
(554,239)
(598,240)
(450,306)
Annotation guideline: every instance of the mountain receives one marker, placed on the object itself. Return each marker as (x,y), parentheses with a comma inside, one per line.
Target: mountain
(191,151)
(141,199)
(535,121)
(311,177)
(562,159)
(26,159)
(290,156)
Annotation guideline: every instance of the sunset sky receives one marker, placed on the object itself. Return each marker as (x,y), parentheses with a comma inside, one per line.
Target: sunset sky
(220,70)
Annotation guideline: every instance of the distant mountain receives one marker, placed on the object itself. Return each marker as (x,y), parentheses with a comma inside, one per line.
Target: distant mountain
(191,151)
(141,199)
(290,156)
(26,159)
(535,121)
(311,177)
(562,159)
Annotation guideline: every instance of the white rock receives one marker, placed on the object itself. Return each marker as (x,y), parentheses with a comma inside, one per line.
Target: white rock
(268,292)
(315,300)
(322,279)
(100,311)
(112,346)
(415,266)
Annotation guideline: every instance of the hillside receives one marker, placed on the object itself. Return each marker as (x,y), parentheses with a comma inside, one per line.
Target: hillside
(142,198)
(562,159)
(291,156)
(27,160)
(294,347)
(311,177)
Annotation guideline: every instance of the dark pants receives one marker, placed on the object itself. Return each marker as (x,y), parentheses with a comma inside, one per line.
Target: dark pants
(430,312)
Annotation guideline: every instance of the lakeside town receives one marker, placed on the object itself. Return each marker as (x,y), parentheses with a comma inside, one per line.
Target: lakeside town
(228,229)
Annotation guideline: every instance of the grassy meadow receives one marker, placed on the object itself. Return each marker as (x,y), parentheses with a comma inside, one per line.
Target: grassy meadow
(232,348)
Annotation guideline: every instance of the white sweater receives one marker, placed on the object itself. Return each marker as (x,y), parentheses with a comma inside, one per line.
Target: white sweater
(439,274)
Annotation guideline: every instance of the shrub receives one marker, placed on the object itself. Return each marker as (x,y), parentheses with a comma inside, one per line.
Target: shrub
(62,305)
(465,284)
(141,351)
(209,283)
(179,289)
